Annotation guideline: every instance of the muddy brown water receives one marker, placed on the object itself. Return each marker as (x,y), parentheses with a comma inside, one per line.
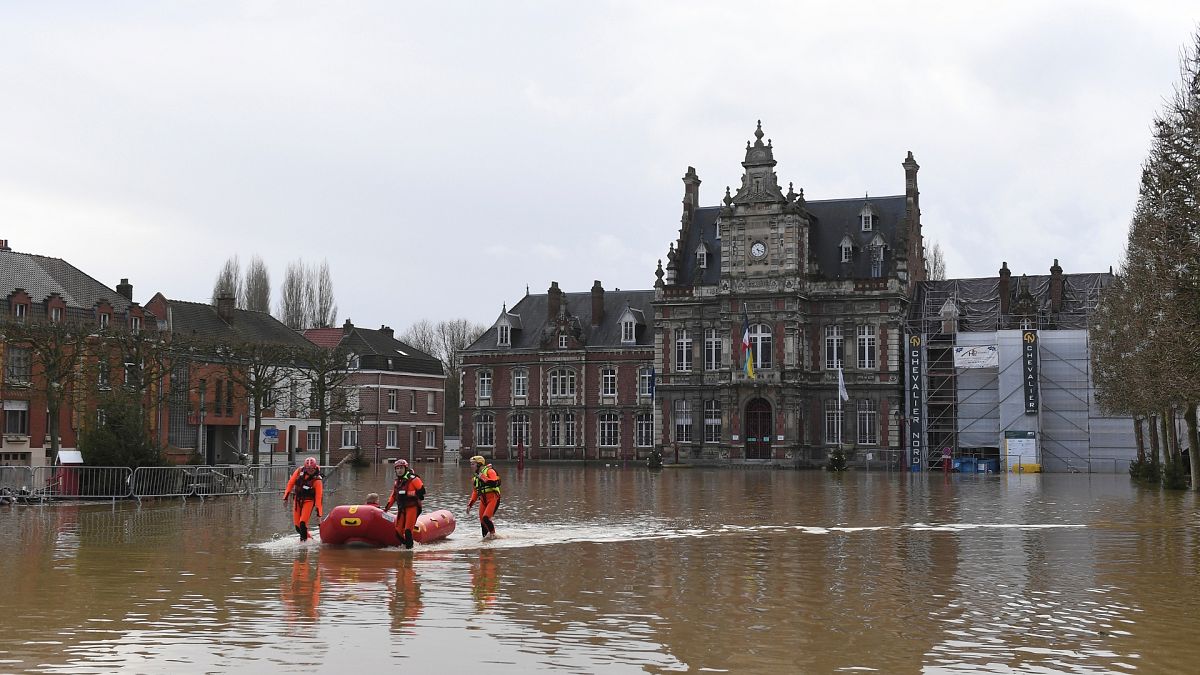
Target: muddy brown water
(620,569)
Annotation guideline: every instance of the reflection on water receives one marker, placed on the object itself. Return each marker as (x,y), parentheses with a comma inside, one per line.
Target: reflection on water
(607,569)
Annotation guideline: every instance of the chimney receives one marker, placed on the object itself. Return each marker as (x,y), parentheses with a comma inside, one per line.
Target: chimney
(1056,287)
(1005,288)
(553,301)
(4,245)
(387,332)
(224,308)
(347,327)
(125,289)
(597,303)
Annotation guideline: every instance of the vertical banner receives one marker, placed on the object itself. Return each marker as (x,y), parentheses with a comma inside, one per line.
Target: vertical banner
(1029,372)
(916,400)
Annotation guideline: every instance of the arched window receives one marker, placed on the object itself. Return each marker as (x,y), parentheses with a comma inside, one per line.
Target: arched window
(760,344)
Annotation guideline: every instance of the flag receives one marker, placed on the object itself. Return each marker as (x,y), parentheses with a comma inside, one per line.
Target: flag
(842,387)
(747,351)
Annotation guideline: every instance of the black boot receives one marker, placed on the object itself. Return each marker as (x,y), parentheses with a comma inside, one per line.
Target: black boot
(408,539)
(491,527)
(483,526)
(297,529)
(303,531)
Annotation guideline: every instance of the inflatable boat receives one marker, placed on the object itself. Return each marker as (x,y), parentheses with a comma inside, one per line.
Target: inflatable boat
(366,525)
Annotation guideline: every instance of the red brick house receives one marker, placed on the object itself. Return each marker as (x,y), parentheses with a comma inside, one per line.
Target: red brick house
(41,289)
(565,375)
(396,392)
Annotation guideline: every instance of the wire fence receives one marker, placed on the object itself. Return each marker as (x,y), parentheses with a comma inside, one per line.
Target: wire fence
(45,483)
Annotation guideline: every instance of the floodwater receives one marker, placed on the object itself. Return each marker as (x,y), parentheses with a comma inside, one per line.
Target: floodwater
(606,569)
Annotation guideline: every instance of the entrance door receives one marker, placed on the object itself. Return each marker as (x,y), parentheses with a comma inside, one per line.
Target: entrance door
(758,429)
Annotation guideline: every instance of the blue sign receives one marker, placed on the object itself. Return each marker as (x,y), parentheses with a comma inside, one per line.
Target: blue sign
(271,432)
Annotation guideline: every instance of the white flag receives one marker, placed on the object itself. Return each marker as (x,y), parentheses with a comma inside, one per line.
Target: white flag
(842,387)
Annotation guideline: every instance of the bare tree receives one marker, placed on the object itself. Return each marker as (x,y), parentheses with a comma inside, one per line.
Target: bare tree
(45,356)
(229,281)
(292,310)
(324,308)
(937,263)
(446,341)
(256,292)
(259,369)
(326,371)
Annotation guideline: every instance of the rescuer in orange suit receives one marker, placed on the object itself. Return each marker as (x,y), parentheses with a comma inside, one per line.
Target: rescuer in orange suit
(407,494)
(486,489)
(305,486)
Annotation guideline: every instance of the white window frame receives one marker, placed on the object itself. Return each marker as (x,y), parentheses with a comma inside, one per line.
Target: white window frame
(349,436)
(702,257)
(393,399)
(834,347)
(484,380)
(712,349)
(682,418)
(430,403)
(485,430)
(103,320)
(518,430)
(562,429)
(19,311)
(628,332)
(18,365)
(314,439)
(712,421)
(833,421)
(868,347)
(761,344)
(520,382)
(609,429)
(569,429)
(562,382)
(564,341)
(135,324)
(645,380)
(503,335)
(56,314)
(393,436)
(867,220)
(868,422)
(608,381)
(683,351)
(847,253)
(431,438)
(876,262)
(644,430)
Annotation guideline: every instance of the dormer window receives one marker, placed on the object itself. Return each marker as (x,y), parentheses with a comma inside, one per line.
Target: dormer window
(563,342)
(352,362)
(628,332)
(103,320)
(19,311)
(503,335)
(867,218)
(876,262)
(847,249)
(701,257)
(135,324)
(55,314)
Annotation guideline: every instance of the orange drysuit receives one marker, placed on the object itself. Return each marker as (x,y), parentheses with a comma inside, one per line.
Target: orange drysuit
(407,493)
(485,489)
(306,486)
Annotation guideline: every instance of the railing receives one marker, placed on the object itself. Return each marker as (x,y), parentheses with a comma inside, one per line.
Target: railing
(118,482)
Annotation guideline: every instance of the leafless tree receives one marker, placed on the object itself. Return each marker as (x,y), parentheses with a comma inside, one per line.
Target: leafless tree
(937,263)
(326,371)
(258,369)
(292,310)
(256,292)
(229,281)
(446,340)
(323,307)
(45,356)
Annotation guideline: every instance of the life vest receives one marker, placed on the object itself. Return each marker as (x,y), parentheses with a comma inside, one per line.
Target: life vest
(306,485)
(484,486)
(400,494)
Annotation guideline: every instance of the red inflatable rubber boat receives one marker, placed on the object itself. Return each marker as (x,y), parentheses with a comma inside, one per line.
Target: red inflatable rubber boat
(371,526)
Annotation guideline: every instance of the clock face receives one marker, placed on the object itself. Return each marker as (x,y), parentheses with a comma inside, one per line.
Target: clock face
(758,249)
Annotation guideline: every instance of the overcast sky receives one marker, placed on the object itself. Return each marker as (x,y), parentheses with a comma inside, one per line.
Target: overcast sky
(441,156)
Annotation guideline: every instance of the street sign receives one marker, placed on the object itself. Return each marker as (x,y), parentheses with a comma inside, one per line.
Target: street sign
(271,432)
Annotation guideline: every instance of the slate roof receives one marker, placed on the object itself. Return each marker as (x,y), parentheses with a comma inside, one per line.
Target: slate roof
(534,322)
(41,276)
(200,320)
(830,219)
(376,349)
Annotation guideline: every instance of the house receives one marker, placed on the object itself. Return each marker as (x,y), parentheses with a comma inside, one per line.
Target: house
(395,396)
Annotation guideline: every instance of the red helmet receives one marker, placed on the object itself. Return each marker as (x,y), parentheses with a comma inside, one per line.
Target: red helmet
(401,465)
(310,463)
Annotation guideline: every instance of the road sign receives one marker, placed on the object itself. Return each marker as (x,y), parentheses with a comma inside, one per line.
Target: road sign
(271,432)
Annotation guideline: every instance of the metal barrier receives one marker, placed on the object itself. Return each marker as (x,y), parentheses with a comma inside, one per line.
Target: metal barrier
(269,479)
(223,479)
(16,478)
(82,482)
(162,481)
